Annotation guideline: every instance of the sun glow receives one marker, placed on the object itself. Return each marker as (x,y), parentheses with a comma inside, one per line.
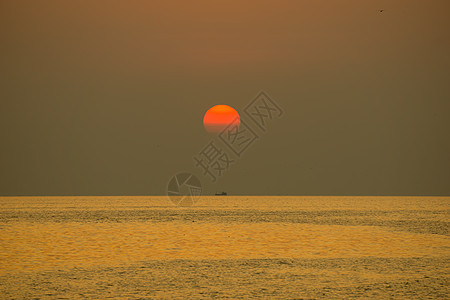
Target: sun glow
(220,116)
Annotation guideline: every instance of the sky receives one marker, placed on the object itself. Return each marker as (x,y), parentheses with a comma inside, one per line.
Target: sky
(108,97)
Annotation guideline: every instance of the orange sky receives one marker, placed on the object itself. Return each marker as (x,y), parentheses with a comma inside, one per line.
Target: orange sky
(93,90)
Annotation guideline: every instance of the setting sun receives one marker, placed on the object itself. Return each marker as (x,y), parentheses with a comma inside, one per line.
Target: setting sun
(220,116)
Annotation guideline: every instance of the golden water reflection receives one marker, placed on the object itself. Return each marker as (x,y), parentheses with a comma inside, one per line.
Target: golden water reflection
(27,244)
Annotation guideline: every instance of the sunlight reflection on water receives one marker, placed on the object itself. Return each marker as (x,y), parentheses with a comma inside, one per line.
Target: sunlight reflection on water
(46,233)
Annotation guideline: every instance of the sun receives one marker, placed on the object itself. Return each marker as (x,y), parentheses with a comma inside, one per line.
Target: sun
(220,116)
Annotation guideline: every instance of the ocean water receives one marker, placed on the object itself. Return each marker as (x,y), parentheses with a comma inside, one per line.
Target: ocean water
(224,247)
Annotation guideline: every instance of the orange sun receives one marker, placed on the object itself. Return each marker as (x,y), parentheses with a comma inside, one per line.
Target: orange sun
(220,116)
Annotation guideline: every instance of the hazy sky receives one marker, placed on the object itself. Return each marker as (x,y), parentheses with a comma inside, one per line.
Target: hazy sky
(108,97)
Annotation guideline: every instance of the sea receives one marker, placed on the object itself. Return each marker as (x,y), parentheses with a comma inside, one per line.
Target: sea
(226,247)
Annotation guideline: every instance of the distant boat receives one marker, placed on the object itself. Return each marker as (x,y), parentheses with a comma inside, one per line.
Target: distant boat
(221,194)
